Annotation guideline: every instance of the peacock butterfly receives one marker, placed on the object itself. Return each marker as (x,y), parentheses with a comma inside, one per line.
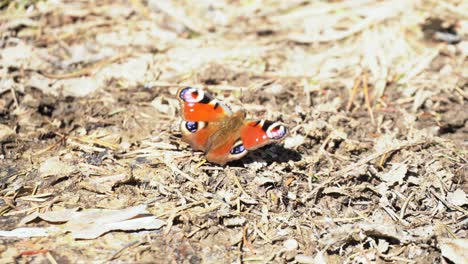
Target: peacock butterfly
(213,128)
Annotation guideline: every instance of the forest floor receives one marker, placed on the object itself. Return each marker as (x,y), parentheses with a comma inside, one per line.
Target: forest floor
(373,170)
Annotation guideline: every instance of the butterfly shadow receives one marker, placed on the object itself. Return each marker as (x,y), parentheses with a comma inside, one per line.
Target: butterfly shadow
(270,154)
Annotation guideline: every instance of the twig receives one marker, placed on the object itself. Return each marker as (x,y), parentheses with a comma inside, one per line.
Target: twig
(401,259)
(87,70)
(325,153)
(56,144)
(262,235)
(118,252)
(15,99)
(196,230)
(245,241)
(393,215)
(461,92)
(366,96)
(383,159)
(447,204)
(183,174)
(177,210)
(357,83)
(50,258)
(405,205)
(9,203)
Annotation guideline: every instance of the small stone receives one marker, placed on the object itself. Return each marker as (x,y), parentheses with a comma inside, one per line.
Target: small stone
(275,89)
(321,258)
(414,180)
(290,244)
(458,197)
(294,141)
(382,246)
(292,196)
(234,221)
(463,48)
(125,145)
(303,259)
(54,166)
(79,87)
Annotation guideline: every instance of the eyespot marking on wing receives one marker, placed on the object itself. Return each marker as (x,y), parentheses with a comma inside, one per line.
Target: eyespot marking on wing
(238,148)
(193,127)
(276,131)
(192,95)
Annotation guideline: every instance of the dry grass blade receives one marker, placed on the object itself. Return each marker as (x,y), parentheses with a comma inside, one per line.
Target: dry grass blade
(367,98)
(357,84)
(88,70)
(246,241)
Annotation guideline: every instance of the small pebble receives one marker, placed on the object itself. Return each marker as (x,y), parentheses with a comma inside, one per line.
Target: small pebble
(290,244)
(303,259)
(292,196)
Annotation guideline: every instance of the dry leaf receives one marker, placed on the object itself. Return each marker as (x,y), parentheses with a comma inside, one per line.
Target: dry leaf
(455,250)
(54,166)
(321,258)
(24,232)
(78,87)
(96,230)
(20,56)
(395,174)
(458,197)
(51,216)
(92,223)
(103,184)
(303,259)
(419,99)
(234,221)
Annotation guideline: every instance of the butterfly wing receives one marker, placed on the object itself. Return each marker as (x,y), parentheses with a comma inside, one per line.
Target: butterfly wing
(220,140)
(258,133)
(211,127)
(199,108)
(220,145)
(249,135)
(198,105)
(196,134)
(231,149)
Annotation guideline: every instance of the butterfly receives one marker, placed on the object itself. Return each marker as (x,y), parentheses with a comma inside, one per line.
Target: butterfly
(224,136)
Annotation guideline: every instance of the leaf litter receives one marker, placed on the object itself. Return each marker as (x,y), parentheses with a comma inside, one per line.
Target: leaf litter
(374,168)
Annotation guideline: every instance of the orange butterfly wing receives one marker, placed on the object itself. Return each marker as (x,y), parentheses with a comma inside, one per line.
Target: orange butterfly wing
(200,106)
(211,127)
(256,134)
(230,149)
(196,134)
(219,140)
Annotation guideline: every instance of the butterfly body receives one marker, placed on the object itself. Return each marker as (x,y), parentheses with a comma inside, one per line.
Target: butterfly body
(224,136)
